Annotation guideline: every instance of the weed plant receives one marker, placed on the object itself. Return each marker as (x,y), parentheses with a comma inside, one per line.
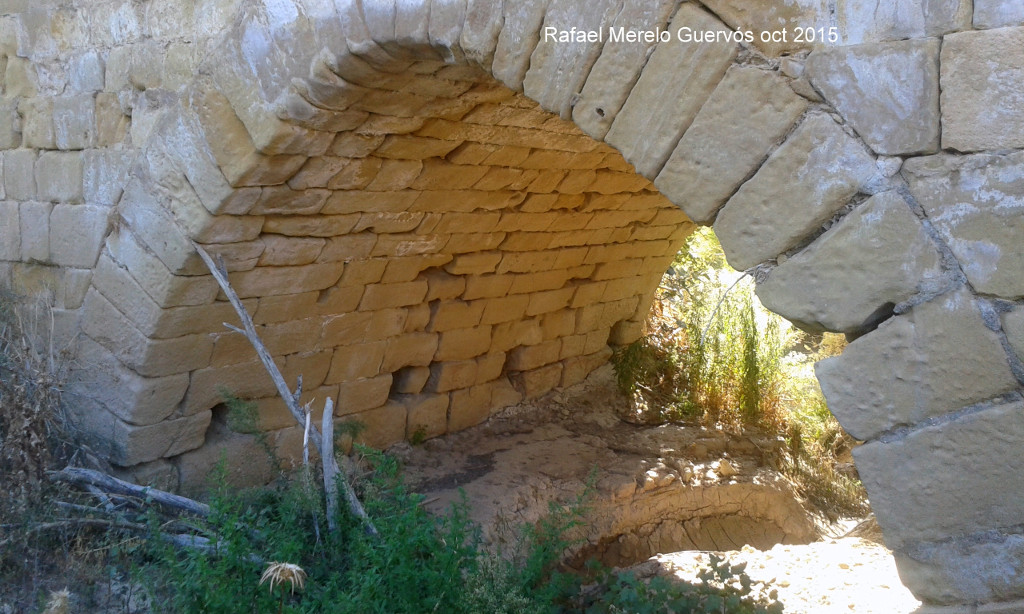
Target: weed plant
(418,563)
(714,355)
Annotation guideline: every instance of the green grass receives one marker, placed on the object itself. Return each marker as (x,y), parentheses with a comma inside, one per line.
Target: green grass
(714,355)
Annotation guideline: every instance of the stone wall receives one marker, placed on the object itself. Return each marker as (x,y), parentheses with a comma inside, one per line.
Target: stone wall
(432,212)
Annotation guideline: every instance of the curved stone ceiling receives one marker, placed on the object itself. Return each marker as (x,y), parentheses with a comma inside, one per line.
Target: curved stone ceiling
(436,208)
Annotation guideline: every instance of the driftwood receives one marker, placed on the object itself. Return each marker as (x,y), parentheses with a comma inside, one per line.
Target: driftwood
(87,478)
(291,399)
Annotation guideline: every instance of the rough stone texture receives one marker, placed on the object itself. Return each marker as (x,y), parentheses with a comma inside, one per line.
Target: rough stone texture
(997,13)
(935,359)
(804,182)
(888,92)
(1013,326)
(619,65)
(558,69)
(982,77)
(862,21)
(977,205)
(658,111)
(896,259)
(975,568)
(749,112)
(378,191)
(909,489)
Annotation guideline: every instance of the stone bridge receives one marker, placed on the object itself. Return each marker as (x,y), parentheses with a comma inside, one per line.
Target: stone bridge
(435,208)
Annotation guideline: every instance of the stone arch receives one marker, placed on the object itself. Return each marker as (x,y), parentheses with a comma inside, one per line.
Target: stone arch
(389,159)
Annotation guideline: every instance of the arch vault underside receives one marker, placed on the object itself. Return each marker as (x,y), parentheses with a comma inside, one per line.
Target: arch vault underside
(434,211)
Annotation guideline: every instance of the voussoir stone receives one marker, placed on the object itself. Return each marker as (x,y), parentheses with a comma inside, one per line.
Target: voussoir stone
(659,110)
(916,480)
(1013,326)
(619,65)
(803,184)
(935,572)
(998,13)
(894,260)
(982,77)
(749,112)
(558,69)
(977,204)
(887,92)
(934,359)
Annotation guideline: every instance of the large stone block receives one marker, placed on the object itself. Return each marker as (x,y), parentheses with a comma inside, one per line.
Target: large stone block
(618,67)
(519,35)
(801,186)
(986,567)
(863,21)
(659,110)
(916,480)
(166,289)
(126,445)
(935,359)
(150,358)
(19,174)
(35,231)
(59,176)
(10,231)
(137,400)
(876,257)
(888,92)
(749,112)
(1013,326)
(77,233)
(997,13)
(196,468)
(558,68)
(74,121)
(977,205)
(982,76)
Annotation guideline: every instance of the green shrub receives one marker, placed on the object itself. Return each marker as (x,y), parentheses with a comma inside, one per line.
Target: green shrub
(418,563)
(714,354)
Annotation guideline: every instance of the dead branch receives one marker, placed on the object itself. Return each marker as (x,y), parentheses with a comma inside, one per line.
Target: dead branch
(109,484)
(330,469)
(291,399)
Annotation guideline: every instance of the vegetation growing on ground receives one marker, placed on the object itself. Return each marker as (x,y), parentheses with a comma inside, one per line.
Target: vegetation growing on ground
(714,355)
(270,550)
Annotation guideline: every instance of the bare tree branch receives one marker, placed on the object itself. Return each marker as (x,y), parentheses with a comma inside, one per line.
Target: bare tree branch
(291,399)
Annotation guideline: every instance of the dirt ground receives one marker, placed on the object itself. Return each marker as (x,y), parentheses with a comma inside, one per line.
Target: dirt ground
(670,492)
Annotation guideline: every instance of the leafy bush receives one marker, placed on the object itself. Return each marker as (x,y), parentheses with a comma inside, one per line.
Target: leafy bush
(417,563)
(713,354)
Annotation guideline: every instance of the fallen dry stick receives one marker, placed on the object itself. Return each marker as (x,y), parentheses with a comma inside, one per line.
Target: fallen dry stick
(291,399)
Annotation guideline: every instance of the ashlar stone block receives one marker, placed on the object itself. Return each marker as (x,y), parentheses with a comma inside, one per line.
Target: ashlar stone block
(1013,326)
(59,176)
(935,359)
(803,184)
(137,400)
(977,205)
(558,68)
(876,257)
(10,231)
(888,92)
(910,478)
(748,113)
(519,35)
(659,110)
(982,75)
(997,13)
(77,233)
(618,67)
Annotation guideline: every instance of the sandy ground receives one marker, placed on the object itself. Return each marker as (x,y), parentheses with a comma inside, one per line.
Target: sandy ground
(539,451)
(832,576)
